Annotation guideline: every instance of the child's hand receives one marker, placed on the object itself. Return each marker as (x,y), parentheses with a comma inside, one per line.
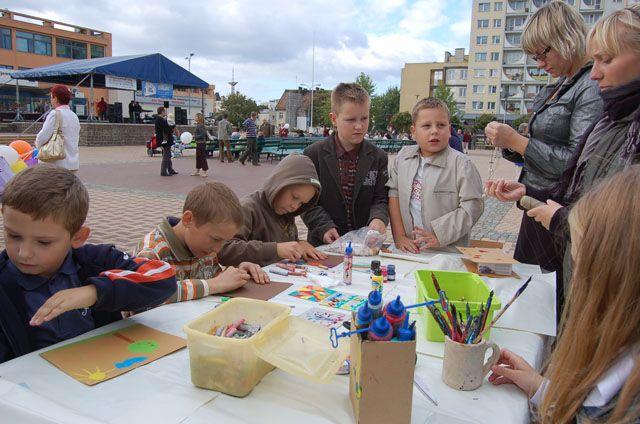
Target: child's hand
(330,236)
(230,279)
(405,244)
(544,214)
(378,225)
(513,369)
(505,190)
(424,239)
(290,250)
(311,252)
(63,301)
(256,273)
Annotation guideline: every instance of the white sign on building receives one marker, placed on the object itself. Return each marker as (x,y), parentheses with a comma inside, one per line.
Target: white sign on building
(120,83)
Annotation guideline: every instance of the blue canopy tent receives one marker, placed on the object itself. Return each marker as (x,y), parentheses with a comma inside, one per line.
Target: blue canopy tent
(154,68)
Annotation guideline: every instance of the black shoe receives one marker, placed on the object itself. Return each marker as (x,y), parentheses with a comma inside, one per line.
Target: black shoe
(255,164)
(242,161)
(173,173)
(165,175)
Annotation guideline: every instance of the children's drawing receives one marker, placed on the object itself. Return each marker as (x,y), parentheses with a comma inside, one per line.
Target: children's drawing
(325,318)
(312,293)
(328,297)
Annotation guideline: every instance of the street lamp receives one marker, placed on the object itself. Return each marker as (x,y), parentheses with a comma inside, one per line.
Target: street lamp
(189,104)
(312,87)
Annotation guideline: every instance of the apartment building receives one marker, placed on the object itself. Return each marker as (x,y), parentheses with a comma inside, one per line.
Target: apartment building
(419,80)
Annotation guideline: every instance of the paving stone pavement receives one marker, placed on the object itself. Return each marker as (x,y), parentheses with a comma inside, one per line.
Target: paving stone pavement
(128,196)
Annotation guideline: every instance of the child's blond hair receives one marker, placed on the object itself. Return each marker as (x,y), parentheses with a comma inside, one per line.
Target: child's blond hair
(429,103)
(213,202)
(348,92)
(47,190)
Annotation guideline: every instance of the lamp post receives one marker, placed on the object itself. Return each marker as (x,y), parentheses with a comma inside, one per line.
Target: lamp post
(189,104)
(310,88)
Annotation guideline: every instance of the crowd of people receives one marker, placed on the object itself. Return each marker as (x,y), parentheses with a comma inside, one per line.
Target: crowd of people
(579,153)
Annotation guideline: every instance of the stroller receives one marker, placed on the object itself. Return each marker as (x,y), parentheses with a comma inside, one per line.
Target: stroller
(152,146)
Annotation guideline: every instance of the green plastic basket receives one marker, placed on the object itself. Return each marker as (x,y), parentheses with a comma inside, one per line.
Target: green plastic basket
(460,288)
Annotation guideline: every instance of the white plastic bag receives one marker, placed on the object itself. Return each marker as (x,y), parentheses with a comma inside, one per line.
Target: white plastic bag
(364,241)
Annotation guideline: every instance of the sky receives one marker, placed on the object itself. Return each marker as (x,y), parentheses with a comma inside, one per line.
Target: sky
(270,43)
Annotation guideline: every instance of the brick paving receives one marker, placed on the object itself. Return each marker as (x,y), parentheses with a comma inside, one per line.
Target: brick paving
(128,196)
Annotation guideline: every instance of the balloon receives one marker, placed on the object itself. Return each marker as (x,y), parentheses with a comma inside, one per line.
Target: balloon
(23,148)
(10,155)
(186,137)
(18,166)
(286,126)
(31,162)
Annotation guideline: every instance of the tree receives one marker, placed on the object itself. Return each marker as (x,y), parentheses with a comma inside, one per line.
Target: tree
(239,107)
(520,119)
(483,120)
(367,83)
(384,107)
(401,121)
(445,95)
(321,108)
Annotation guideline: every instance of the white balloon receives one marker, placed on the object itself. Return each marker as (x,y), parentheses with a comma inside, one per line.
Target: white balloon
(186,137)
(10,155)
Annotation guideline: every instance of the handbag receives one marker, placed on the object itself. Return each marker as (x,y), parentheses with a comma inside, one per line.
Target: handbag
(53,150)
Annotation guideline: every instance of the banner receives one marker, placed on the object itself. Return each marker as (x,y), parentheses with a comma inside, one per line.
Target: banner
(157,90)
(121,83)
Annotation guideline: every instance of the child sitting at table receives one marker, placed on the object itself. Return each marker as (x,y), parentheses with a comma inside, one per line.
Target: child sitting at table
(211,215)
(53,286)
(594,372)
(435,192)
(269,232)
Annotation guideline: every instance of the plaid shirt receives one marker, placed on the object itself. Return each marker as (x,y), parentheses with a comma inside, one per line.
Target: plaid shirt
(348,164)
(191,272)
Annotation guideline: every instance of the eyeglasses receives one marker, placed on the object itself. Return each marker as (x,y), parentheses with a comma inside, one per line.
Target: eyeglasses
(542,55)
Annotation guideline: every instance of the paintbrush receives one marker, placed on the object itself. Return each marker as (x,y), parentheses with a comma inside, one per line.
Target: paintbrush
(513,299)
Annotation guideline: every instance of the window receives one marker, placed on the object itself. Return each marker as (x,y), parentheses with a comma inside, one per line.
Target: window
(591,18)
(477,105)
(481,39)
(451,74)
(463,74)
(497,23)
(480,73)
(495,56)
(515,23)
(495,39)
(484,7)
(483,23)
(491,105)
(497,6)
(481,57)
(478,89)
(71,49)
(493,89)
(514,39)
(280,115)
(97,51)
(29,42)
(5,38)
(437,77)
(2,67)
(493,73)
(462,91)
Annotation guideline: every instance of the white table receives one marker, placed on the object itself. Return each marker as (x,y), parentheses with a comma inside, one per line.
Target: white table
(34,391)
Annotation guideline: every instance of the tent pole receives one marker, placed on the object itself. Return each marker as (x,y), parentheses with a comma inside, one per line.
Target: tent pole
(18,116)
(91,98)
(202,93)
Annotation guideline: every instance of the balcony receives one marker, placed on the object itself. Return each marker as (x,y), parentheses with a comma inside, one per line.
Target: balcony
(513,58)
(512,75)
(517,7)
(589,5)
(536,75)
(512,41)
(537,4)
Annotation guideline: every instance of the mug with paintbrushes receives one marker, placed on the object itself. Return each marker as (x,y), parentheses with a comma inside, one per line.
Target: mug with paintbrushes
(464,366)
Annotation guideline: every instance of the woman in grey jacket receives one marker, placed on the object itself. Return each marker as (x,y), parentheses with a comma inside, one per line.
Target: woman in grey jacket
(562,111)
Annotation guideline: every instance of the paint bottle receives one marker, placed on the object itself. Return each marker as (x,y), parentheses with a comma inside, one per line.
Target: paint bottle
(376,280)
(363,318)
(405,333)
(375,304)
(391,272)
(374,265)
(347,265)
(395,313)
(381,330)
(385,277)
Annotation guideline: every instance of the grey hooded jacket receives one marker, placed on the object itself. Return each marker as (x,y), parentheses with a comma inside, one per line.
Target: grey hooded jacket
(556,126)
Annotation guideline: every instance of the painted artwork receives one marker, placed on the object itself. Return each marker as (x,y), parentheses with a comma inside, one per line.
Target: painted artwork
(325,318)
(328,297)
(100,358)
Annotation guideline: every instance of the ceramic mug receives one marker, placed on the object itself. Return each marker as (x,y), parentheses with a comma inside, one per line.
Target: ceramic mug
(464,367)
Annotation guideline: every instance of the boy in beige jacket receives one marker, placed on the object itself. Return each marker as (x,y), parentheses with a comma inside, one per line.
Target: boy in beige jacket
(435,192)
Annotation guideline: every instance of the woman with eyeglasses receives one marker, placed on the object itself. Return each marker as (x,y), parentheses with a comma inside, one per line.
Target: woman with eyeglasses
(609,145)
(562,111)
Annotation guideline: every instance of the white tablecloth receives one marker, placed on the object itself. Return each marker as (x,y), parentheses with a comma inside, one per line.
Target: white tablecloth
(34,391)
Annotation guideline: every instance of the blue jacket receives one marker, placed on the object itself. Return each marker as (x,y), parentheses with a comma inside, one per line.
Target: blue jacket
(151,284)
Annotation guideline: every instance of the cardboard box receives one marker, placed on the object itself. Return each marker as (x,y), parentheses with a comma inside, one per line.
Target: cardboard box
(488,261)
(381,380)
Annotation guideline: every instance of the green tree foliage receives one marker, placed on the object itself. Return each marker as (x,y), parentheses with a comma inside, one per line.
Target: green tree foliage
(401,121)
(520,119)
(445,95)
(239,108)
(367,83)
(321,108)
(384,107)
(482,121)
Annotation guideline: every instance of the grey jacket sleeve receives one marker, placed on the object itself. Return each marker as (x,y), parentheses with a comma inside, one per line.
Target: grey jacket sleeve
(549,160)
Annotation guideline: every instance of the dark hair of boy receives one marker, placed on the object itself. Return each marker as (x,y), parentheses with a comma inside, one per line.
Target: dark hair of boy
(428,103)
(213,202)
(47,190)
(348,92)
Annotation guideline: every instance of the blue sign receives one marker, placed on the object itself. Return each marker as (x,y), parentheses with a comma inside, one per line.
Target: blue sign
(157,90)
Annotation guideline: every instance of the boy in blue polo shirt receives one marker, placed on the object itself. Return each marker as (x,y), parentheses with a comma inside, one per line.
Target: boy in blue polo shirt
(54,287)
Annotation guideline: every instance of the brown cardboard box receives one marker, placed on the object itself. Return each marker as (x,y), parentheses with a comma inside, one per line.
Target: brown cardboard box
(381,380)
